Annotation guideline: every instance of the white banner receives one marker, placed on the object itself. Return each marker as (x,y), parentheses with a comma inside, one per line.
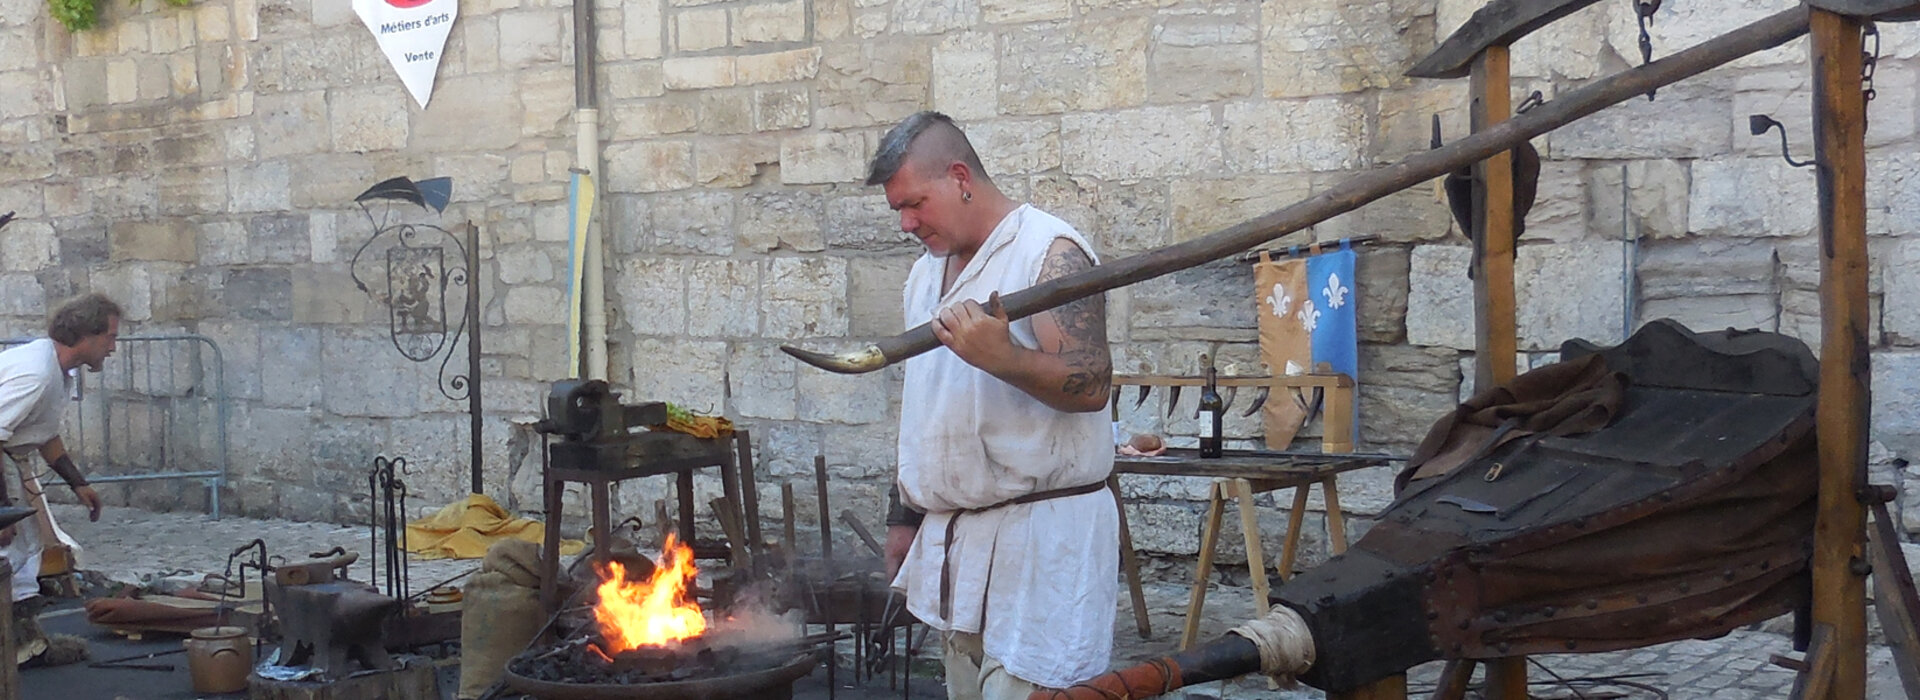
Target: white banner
(413,34)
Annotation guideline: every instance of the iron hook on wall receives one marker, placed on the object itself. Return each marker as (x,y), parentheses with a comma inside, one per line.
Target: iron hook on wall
(1760,123)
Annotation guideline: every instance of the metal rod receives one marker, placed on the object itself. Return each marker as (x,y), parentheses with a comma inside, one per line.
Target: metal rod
(473,325)
(749,496)
(826,521)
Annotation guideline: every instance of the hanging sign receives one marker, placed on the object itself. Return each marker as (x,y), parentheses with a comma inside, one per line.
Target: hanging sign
(413,34)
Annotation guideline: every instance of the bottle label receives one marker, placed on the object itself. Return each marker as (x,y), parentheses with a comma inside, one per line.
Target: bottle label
(1206,426)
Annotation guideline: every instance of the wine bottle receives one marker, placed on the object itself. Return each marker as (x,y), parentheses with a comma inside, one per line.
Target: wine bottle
(1211,409)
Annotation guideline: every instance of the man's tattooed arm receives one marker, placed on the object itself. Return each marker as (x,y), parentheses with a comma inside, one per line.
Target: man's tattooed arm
(1076,332)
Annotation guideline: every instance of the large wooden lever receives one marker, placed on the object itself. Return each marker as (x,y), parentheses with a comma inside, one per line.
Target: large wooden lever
(1349,194)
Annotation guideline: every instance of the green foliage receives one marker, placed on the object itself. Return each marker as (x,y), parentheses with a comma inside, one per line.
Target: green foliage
(75,15)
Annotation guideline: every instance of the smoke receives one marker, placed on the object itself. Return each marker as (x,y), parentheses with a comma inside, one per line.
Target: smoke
(751,620)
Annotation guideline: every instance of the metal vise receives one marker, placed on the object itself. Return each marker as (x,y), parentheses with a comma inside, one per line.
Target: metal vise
(330,625)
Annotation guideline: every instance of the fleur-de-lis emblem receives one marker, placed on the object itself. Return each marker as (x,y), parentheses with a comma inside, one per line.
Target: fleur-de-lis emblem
(1279,300)
(1336,293)
(1309,316)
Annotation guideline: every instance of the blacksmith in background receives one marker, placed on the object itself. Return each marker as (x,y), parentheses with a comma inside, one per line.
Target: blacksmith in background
(1002,443)
(33,397)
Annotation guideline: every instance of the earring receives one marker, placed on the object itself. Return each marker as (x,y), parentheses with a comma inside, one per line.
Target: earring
(966,196)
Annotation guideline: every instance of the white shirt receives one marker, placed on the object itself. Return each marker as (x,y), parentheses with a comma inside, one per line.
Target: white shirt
(1037,580)
(33,399)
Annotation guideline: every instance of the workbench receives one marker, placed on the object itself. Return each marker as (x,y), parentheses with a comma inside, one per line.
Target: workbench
(1239,475)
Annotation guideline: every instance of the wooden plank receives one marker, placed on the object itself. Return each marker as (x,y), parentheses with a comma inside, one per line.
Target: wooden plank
(1293,380)
(1209,536)
(1339,433)
(1256,557)
(1498,23)
(1346,195)
(1495,342)
(1889,10)
(1282,471)
(1507,678)
(1454,679)
(1839,120)
(1894,601)
(1296,519)
(1130,562)
(1816,680)
(1336,521)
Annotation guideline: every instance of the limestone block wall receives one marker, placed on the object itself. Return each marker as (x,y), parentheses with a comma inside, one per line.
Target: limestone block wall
(200,162)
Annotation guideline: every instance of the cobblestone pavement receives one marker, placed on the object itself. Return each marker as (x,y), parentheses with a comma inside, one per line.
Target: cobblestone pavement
(133,546)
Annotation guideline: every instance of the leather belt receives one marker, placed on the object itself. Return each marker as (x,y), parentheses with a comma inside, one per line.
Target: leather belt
(946,552)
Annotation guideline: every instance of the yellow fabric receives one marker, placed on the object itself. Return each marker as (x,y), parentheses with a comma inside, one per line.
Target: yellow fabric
(464,530)
(700,426)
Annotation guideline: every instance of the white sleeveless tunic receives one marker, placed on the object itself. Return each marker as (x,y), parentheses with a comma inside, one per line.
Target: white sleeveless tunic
(1037,580)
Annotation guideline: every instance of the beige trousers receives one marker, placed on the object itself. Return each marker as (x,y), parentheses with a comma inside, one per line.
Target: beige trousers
(972,675)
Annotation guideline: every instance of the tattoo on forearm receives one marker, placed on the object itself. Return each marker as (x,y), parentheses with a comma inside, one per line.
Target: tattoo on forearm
(1083,326)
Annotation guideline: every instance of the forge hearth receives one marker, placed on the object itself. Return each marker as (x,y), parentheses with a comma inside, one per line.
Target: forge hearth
(577,669)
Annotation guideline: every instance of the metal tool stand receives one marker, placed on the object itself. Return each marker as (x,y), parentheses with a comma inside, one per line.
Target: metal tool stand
(598,502)
(642,455)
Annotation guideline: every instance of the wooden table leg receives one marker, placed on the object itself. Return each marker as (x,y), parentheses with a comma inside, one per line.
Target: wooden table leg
(1209,535)
(1130,562)
(1256,557)
(1296,518)
(1507,678)
(1454,680)
(1336,521)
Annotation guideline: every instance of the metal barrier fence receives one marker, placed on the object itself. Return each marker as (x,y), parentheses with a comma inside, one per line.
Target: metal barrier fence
(157,410)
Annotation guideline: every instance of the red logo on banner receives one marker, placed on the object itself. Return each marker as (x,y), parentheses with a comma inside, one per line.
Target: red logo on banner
(407,4)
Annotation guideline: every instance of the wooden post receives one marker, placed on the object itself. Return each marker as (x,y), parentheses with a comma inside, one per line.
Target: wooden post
(1507,678)
(1839,123)
(1130,562)
(1454,678)
(1495,343)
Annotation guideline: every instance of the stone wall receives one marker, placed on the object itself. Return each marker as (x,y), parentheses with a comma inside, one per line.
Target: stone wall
(199,164)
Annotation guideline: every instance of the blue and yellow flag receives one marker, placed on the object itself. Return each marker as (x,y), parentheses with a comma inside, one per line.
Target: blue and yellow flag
(1307,325)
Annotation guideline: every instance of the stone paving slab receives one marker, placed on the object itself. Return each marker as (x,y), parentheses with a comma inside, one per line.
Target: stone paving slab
(134,545)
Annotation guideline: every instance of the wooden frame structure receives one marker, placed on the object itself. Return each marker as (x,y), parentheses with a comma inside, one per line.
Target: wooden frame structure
(1837,658)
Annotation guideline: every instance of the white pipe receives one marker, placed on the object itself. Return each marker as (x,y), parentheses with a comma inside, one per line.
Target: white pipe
(593,286)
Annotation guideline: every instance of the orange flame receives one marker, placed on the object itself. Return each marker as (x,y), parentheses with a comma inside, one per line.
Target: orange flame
(654,612)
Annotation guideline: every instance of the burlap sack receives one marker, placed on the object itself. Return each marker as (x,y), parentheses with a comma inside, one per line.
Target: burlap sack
(1285,345)
(519,560)
(498,620)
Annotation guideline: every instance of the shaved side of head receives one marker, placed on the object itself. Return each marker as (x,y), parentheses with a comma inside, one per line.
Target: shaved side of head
(928,142)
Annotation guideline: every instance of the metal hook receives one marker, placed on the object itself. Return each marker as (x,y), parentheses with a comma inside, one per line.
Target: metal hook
(1759,124)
